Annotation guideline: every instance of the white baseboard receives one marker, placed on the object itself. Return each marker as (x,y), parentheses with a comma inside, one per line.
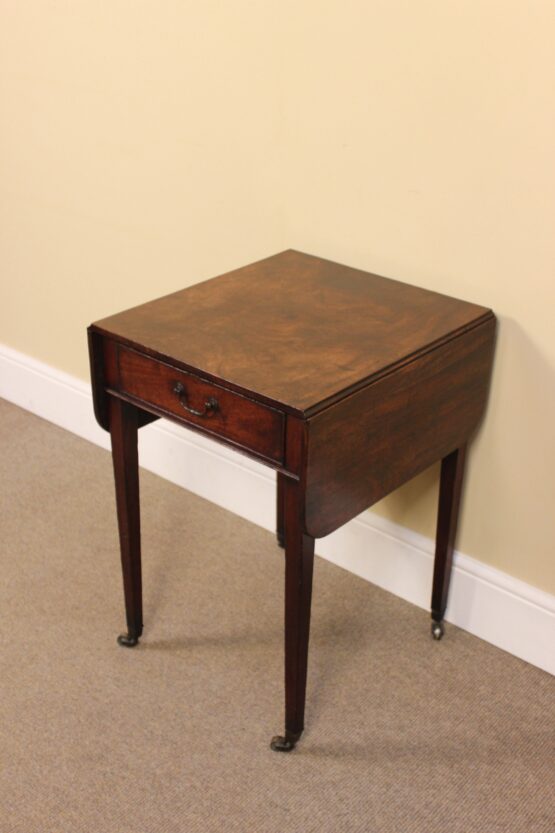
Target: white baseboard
(486,602)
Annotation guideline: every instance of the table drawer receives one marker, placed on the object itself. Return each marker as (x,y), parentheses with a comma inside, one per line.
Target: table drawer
(212,408)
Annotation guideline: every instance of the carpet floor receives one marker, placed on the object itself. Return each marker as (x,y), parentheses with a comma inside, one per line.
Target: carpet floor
(404,735)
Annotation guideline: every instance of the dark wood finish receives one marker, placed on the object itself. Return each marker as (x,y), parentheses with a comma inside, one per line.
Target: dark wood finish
(346,383)
(280,510)
(123,430)
(236,418)
(450,486)
(100,365)
(373,441)
(293,330)
(299,561)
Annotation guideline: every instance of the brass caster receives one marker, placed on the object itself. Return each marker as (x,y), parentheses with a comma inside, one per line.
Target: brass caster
(280,743)
(127,641)
(437,630)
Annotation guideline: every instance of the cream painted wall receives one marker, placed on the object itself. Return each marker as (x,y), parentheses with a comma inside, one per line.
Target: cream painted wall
(145,146)
(141,150)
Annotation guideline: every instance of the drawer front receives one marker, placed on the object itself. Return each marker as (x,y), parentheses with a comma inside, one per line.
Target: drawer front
(213,409)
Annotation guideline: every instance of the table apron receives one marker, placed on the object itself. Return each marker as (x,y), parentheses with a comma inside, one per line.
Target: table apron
(155,411)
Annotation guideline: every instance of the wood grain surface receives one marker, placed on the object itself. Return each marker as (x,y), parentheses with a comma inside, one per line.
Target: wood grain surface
(249,424)
(364,447)
(293,330)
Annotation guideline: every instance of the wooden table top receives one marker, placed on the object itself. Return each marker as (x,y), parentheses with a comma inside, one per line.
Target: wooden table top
(294,330)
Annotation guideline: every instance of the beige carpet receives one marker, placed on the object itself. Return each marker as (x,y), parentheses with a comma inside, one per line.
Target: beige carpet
(404,735)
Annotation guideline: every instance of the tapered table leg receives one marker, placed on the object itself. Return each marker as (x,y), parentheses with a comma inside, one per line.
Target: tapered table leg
(299,562)
(452,472)
(124,419)
(280,527)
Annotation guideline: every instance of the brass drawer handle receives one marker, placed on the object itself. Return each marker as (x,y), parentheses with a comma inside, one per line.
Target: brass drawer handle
(210,406)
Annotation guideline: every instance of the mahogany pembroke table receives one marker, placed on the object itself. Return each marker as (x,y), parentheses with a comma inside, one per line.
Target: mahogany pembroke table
(346,383)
